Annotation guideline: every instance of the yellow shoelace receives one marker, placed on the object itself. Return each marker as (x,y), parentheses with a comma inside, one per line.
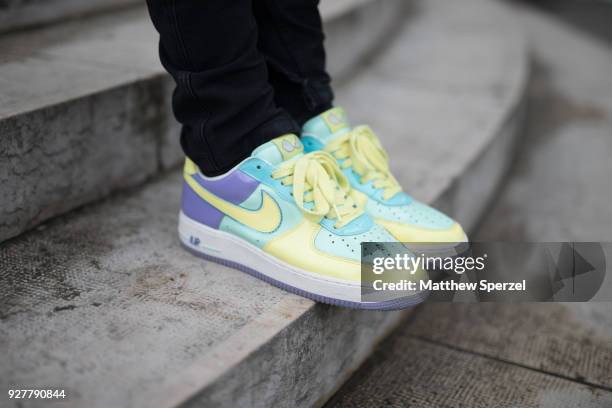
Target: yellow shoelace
(361,149)
(317,179)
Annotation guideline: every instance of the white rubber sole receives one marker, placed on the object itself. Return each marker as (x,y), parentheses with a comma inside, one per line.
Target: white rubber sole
(233,251)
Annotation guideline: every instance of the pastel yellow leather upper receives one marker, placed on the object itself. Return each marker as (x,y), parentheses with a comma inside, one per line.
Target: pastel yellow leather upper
(411,233)
(297,248)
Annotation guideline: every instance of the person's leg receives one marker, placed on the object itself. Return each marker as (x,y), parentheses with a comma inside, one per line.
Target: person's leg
(254,216)
(223,97)
(291,39)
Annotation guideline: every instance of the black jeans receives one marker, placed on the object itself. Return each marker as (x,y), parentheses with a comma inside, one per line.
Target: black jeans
(246,71)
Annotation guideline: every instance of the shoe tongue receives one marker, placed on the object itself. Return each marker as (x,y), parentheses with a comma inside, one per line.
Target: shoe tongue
(327,126)
(281,149)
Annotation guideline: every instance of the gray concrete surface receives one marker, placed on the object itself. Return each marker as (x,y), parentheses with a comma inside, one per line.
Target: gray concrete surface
(20,14)
(523,355)
(105,304)
(560,186)
(591,16)
(84,106)
(422,366)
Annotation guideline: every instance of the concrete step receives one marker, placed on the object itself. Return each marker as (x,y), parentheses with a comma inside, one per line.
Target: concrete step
(107,289)
(570,121)
(84,107)
(19,14)
(533,354)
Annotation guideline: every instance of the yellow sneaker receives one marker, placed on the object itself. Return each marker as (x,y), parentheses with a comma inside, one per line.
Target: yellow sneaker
(285,217)
(364,162)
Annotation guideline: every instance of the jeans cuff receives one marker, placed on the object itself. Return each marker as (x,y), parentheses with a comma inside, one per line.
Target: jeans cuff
(279,125)
(318,94)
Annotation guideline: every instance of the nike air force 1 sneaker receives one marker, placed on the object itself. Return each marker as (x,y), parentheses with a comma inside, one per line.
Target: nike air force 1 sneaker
(287,218)
(364,162)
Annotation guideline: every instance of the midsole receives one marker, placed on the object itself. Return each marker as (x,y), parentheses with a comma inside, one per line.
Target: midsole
(220,244)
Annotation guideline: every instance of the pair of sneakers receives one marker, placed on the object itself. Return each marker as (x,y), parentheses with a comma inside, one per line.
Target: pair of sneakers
(295,212)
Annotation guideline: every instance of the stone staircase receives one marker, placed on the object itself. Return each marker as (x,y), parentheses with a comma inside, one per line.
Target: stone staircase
(101,301)
(85,107)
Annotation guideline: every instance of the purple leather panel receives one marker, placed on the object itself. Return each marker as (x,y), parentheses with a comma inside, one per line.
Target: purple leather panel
(199,210)
(235,187)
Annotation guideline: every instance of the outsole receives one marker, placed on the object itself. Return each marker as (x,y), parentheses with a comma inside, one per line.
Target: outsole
(389,305)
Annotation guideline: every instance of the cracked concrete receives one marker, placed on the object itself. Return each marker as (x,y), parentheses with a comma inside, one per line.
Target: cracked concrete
(57,159)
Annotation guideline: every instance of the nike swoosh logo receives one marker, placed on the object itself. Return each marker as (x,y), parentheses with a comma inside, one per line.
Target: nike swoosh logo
(266,218)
